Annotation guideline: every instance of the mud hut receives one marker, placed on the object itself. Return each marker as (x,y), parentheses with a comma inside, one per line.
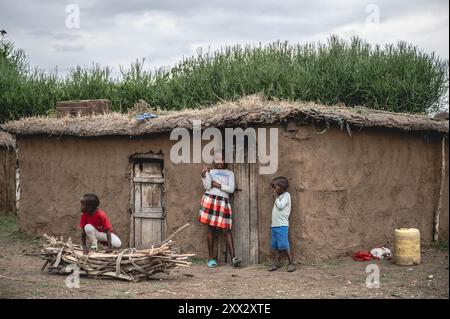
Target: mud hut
(355,176)
(7,174)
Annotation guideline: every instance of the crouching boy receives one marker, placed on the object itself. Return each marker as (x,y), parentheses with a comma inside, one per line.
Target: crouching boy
(95,226)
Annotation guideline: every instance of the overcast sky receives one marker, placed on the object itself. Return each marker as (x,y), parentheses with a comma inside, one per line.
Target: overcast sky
(116,32)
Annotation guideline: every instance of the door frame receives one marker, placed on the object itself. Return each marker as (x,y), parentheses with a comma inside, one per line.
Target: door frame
(253,212)
(253,207)
(134,159)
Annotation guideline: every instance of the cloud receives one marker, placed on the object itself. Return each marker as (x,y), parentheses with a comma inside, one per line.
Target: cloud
(428,30)
(116,32)
(68,47)
(54,35)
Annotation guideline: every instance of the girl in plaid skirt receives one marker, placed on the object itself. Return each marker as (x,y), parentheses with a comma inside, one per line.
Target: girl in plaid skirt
(215,209)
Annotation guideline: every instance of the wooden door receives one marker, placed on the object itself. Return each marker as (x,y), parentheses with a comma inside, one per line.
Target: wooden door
(148,216)
(245,213)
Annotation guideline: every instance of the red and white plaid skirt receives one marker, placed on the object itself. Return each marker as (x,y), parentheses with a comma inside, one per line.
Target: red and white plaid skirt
(215,211)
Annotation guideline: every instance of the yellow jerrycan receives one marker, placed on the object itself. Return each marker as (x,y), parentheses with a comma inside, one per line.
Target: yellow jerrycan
(407,246)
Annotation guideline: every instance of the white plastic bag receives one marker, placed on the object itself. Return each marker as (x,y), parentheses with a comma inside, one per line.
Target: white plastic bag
(381,253)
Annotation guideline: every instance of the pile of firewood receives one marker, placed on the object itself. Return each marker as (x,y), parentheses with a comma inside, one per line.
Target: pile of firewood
(127,264)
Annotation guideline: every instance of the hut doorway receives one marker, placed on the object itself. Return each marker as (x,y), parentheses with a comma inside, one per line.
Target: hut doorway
(245,213)
(148,221)
(244,203)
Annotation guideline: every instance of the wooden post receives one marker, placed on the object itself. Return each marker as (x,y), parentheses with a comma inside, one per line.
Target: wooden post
(441,189)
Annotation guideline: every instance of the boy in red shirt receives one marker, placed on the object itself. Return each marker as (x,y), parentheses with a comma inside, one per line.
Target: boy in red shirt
(95,225)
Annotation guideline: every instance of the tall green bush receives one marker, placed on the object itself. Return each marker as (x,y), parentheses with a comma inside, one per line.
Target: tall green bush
(398,78)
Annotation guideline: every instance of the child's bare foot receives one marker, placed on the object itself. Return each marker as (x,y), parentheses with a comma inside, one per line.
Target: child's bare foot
(291,268)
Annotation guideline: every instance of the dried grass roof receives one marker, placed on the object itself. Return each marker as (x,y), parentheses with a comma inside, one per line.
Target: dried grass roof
(248,111)
(7,140)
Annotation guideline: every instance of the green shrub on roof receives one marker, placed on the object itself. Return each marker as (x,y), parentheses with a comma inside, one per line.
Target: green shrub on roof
(397,78)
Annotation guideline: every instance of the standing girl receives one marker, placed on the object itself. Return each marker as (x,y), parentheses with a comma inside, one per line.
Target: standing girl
(215,210)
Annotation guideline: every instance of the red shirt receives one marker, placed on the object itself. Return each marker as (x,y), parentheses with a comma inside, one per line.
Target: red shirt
(99,220)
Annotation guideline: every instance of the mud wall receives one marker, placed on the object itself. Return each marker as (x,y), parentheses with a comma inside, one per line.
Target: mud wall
(348,193)
(7,181)
(55,173)
(351,193)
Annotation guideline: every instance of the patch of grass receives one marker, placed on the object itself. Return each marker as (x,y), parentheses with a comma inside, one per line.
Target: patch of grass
(9,229)
(45,285)
(197,260)
(37,294)
(265,264)
(334,262)
(48,285)
(441,245)
(7,222)
(123,295)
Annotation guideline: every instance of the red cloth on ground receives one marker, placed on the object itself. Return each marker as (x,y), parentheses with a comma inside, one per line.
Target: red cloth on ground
(99,220)
(362,255)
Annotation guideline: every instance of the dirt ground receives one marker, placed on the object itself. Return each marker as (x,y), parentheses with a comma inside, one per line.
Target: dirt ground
(20,277)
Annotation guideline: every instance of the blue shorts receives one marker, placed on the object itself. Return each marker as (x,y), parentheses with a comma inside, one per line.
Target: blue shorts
(280,238)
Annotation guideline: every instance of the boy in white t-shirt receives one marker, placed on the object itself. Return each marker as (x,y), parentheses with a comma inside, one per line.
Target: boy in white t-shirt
(280,223)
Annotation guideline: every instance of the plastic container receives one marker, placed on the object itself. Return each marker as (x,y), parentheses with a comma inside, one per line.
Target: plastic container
(407,246)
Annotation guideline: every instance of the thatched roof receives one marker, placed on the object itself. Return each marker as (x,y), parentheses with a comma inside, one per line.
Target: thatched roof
(248,111)
(7,140)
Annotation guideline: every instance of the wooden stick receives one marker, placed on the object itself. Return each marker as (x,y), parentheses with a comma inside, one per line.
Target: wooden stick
(179,229)
(437,214)
(58,257)
(118,261)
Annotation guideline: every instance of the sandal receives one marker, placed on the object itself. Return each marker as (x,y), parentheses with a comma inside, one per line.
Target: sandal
(291,268)
(274,267)
(212,263)
(236,262)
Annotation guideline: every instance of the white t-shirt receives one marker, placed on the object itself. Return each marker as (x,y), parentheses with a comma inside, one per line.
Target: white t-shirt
(225,177)
(281,210)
